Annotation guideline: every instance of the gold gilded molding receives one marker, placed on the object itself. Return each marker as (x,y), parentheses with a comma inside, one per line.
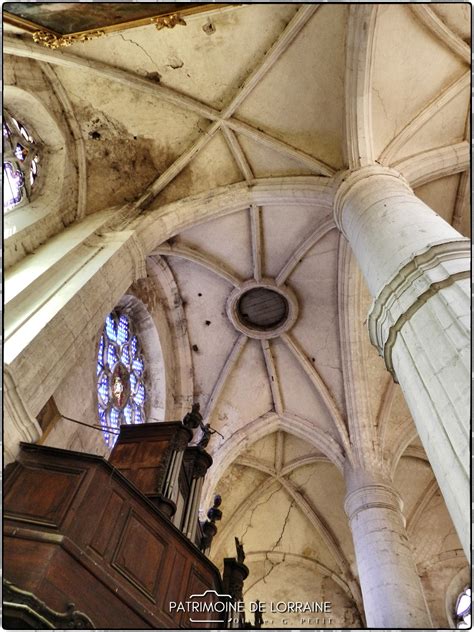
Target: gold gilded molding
(168,21)
(163,20)
(50,40)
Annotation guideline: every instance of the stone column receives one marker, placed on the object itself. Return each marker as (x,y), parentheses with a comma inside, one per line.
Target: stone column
(417,269)
(391,588)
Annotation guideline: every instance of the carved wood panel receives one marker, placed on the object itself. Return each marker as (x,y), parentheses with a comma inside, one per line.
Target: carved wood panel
(140,555)
(90,537)
(110,514)
(42,495)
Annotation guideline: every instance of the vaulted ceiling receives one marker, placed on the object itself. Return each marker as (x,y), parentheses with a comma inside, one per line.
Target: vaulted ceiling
(285,95)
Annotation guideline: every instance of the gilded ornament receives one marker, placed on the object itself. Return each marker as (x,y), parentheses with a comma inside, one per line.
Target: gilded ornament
(49,40)
(168,21)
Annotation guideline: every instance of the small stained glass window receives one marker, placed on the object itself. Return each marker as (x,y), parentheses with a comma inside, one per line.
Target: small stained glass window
(463,610)
(121,391)
(21,160)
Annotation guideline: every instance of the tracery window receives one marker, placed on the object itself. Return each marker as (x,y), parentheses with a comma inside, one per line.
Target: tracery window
(121,392)
(462,611)
(21,158)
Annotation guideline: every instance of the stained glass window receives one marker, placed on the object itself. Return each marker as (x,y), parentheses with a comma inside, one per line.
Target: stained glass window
(121,391)
(463,610)
(21,158)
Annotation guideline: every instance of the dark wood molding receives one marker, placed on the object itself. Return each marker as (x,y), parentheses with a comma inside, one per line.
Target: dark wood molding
(24,606)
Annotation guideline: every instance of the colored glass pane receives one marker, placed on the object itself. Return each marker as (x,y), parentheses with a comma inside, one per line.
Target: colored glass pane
(138,365)
(125,357)
(123,330)
(112,357)
(21,157)
(463,610)
(127,412)
(12,185)
(121,391)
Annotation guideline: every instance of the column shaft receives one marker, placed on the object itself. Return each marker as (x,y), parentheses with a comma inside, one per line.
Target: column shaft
(417,269)
(188,518)
(391,588)
(194,510)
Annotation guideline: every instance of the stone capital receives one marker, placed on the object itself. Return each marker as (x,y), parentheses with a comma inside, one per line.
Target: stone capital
(348,181)
(373,496)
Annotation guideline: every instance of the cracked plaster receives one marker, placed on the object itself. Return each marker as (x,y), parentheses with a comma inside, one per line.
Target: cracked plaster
(165,132)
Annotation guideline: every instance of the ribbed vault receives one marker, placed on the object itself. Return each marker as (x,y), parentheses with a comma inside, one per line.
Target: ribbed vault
(222,152)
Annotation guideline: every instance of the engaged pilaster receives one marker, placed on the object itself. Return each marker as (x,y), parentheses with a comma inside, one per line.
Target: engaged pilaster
(20,425)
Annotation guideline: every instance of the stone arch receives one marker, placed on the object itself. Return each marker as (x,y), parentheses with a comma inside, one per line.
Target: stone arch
(307,561)
(166,309)
(224,455)
(147,333)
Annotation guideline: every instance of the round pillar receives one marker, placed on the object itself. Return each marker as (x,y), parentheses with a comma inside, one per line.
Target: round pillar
(391,588)
(417,268)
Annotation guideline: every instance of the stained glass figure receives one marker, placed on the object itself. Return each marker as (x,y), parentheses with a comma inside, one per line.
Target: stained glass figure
(463,610)
(21,158)
(121,391)
(12,185)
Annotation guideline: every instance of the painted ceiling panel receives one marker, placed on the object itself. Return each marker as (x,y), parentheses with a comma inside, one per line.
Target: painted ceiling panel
(68,17)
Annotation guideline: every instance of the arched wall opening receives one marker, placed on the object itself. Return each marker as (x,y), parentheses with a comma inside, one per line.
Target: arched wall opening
(228,451)
(35,97)
(76,397)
